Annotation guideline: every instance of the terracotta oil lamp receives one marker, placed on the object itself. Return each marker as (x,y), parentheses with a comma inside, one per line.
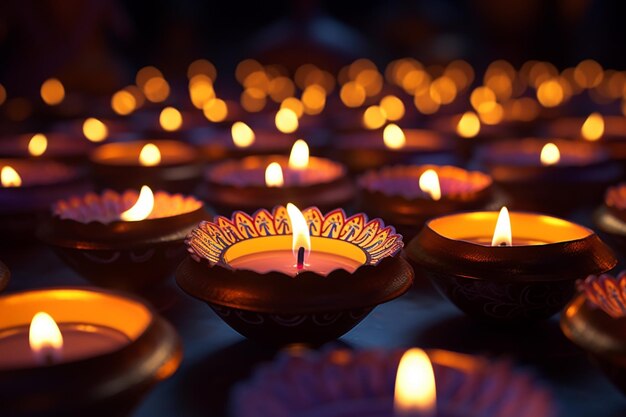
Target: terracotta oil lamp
(52,145)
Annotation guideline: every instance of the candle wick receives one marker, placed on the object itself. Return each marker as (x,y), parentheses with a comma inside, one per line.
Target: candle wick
(503,244)
(300,262)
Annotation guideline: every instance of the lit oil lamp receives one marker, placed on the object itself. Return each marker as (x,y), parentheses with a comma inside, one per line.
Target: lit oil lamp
(162,164)
(168,122)
(595,321)
(555,177)
(608,131)
(93,129)
(362,151)
(129,241)
(53,145)
(28,187)
(524,270)
(267,181)
(108,349)
(288,276)
(240,141)
(378,383)
(408,195)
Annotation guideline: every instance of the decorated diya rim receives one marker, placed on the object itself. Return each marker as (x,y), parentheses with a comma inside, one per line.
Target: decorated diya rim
(591,328)
(610,221)
(249,172)
(340,382)
(606,292)
(444,248)
(173,153)
(154,351)
(417,140)
(5,275)
(40,174)
(207,275)
(615,201)
(464,185)
(525,153)
(93,220)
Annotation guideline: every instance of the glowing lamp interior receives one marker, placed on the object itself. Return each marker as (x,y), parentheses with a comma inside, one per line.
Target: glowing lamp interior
(170,119)
(393,136)
(242,135)
(415,391)
(274,175)
(429,183)
(95,130)
(469,125)
(502,235)
(301,242)
(150,155)
(45,339)
(593,127)
(286,120)
(37,144)
(142,208)
(550,154)
(299,156)
(9,177)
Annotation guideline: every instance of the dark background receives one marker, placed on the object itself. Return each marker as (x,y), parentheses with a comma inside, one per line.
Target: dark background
(99,44)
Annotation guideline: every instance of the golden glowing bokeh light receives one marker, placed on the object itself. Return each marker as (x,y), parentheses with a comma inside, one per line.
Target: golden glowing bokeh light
(9,177)
(242,135)
(150,155)
(95,130)
(293,104)
(286,120)
(393,107)
(215,110)
(52,91)
(593,127)
(415,391)
(123,102)
(468,125)
(393,136)
(374,117)
(352,94)
(38,144)
(550,154)
(170,119)
(274,175)
(429,183)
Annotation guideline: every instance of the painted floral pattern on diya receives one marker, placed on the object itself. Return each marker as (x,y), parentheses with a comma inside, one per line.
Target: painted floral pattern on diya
(606,292)
(211,240)
(107,207)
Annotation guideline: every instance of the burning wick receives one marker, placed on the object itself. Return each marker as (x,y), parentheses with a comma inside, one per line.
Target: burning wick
(300,262)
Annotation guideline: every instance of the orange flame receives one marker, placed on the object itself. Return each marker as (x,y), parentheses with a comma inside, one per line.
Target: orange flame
(142,208)
(9,177)
(502,235)
(45,339)
(415,392)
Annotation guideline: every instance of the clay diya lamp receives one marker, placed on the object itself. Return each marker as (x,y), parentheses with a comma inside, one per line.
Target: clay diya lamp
(608,131)
(168,122)
(596,322)
(522,271)
(95,129)
(53,145)
(363,151)
(379,383)
(408,195)
(28,187)
(78,351)
(239,141)
(5,275)
(131,241)
(285,277)
(610,218)
(161,164)
(554,177)
(267,181)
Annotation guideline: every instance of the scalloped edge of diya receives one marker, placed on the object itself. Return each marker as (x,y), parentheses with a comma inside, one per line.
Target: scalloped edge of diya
(336,191)
(5,276)
(91,221)
(409,208)
(154,355)
(565,260)
(207,276)
(596,322)
(361,155)
(340,382)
